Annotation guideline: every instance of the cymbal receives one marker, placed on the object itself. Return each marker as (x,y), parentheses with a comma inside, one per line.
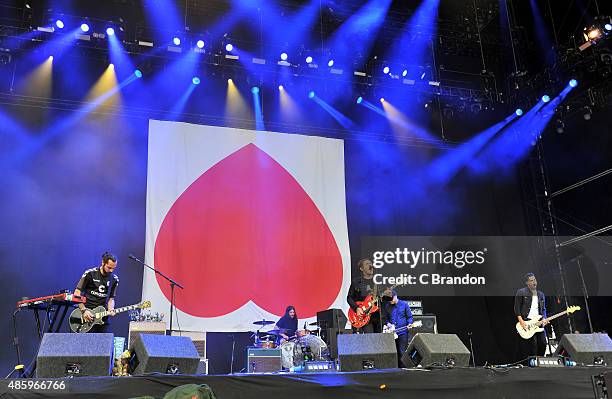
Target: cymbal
(263,322)
(314,323)
(278,331)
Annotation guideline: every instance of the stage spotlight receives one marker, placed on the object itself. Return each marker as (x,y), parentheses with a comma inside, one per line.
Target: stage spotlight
(518,112)
(586,113)
(359,100)
(593,34)
(195,80)
(308,59)
(110,31)
(281,88)
(559,126)
(229,47)
(545,98)
(405,72)
(200,43)
(230,81)
(111,66)
(138,73)
(255,90)
(382,99)
(386,70)
(608,27)
(176,41)
(283,56)
(60,24)
(330,63)
(573,83)
(311,94)
(50,58)
(84,27)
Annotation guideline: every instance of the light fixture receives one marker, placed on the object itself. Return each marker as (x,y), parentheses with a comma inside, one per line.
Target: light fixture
(84,27)
(200,44)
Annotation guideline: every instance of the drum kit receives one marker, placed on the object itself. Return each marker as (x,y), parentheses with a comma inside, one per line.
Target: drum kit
(295,350)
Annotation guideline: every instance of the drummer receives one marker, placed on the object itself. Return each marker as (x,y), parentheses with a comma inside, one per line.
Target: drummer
(288,323)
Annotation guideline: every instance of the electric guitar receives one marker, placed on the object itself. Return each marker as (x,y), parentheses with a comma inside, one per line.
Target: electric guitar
(535,325)
(79,325)
(387,329)
(369,305)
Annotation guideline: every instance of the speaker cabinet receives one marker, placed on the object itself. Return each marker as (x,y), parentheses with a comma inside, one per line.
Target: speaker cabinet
(357,352)
(164,354)
(332,318)
(330,337)
(429,324)
(586,348)
(65,354)
(444,349)
(263,360)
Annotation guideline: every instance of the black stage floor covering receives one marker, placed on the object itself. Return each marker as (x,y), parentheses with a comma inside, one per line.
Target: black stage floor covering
(521,383)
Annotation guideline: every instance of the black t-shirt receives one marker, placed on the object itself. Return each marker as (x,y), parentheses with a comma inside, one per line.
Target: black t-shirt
(359,289)
(97,287)
(291,324)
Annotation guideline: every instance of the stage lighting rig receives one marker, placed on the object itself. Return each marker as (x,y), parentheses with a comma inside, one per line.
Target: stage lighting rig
(596,32)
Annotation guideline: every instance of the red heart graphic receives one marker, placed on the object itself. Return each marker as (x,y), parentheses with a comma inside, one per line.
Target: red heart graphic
(246,230)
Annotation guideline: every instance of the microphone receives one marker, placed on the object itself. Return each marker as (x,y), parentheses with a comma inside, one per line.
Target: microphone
(133,257)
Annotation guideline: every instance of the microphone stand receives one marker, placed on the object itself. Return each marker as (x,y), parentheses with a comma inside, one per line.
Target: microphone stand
(585,294)
(172,285)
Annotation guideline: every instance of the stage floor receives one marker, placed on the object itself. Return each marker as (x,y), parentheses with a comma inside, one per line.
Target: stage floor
(395,383)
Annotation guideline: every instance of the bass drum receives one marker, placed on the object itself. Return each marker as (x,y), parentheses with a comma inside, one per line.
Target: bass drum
(287,348)
(317,346)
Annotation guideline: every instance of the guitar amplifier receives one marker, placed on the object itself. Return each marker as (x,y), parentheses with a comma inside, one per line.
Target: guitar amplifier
(429,324)
(145,327)
(263,360)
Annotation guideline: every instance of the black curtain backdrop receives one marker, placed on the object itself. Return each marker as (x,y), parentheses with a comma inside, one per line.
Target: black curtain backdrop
(71,193)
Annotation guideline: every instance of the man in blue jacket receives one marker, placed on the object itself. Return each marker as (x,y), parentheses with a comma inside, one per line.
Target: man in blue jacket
(396,314)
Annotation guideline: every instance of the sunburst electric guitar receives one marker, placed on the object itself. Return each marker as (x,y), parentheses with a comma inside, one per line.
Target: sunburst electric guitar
(536,325)
(79,325)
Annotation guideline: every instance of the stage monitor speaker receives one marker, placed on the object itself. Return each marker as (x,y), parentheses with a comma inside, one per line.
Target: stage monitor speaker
(586,348)
(67,354)
(263,360)
(332,318)
(443,349)
(330,337)
(429,324)
(357,352)
(164,354)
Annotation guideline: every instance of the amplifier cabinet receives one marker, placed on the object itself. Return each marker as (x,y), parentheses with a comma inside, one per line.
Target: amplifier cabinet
(262,360)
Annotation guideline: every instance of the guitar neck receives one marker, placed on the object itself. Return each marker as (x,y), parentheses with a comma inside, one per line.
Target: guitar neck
(553,316)
(120,310)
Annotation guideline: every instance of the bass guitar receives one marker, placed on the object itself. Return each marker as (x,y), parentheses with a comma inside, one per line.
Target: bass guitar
(79,325)
(369,305)
(392,329)
(535,325)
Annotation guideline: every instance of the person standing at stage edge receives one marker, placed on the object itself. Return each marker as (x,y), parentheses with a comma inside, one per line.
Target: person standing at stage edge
(361,287)
(99,286)
(529,303)
(396,314)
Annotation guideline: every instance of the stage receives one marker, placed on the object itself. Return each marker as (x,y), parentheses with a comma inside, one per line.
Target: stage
(395,383)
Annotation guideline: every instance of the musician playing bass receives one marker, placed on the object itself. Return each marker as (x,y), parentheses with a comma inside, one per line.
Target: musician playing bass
(99,286)
(529,302)
(360,288)
(395,315)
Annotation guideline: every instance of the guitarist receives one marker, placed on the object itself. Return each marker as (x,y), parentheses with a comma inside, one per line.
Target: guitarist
(361,287)
(397,314)
(529,303)
(99,286)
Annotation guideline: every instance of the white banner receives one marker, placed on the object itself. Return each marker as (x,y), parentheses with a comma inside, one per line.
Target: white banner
(248,222)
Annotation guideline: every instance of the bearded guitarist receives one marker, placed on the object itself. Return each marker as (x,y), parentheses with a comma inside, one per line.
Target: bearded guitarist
(99,286)
(360,288)
(528,304)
